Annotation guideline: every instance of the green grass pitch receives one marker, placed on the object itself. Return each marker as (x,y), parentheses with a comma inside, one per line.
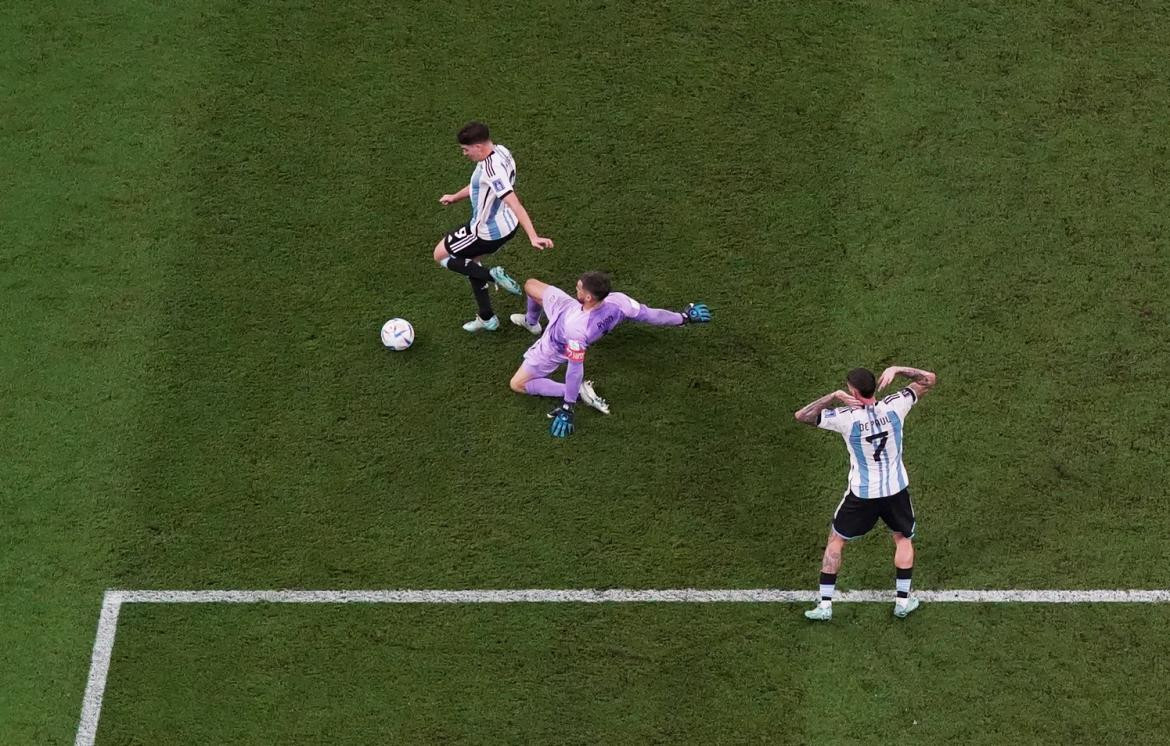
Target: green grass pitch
(207,209)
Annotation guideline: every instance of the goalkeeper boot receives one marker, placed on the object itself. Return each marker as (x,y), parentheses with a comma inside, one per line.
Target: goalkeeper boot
(505,281)
(904,610)
(822,613)
(478,324)
(590,397)
(520,319)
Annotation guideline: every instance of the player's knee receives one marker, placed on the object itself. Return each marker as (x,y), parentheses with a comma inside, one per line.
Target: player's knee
(534,288)
(517,383)
(440,252)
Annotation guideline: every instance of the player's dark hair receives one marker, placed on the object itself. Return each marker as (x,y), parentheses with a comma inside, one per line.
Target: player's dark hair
(473,133)
(596,284)
(862,380)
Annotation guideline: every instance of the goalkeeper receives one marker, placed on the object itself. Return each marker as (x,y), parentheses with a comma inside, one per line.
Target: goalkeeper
(573,325)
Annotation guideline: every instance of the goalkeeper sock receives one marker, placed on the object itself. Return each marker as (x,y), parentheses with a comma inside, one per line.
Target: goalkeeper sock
(545,387)
(532,311)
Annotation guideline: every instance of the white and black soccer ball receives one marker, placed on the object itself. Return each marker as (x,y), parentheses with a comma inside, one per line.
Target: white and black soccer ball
(397,334)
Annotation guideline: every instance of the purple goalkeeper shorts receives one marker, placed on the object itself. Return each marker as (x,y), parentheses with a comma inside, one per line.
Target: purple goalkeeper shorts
(545,356)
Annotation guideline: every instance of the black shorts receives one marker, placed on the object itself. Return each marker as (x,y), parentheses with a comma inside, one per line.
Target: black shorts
(465,243)
(855,517)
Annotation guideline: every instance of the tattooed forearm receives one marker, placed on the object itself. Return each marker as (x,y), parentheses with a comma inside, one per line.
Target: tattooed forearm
(812,411)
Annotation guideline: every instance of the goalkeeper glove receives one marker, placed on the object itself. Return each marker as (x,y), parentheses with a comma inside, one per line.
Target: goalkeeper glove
(562,421)
(697,313)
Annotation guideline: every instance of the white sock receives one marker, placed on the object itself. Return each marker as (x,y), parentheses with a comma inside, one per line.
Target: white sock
(902,589)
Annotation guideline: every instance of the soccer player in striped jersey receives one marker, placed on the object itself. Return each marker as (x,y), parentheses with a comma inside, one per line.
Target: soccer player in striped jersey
(573,325)
(496,212)
(878,483)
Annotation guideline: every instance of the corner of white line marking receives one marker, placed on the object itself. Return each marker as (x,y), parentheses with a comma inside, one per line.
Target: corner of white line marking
(99,667)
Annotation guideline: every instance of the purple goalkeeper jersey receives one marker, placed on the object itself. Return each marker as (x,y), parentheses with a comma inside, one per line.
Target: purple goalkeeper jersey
(571,329)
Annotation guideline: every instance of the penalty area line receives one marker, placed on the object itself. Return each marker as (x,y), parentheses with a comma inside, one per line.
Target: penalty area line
(99,668)
(624,595)
(112,601)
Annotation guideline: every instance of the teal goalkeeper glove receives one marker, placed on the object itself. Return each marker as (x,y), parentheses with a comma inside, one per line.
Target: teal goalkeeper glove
(562,421)
(697,313)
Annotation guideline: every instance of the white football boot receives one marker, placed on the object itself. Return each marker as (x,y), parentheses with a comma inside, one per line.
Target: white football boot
(904,610)
(820,613)
(478,324)
(590,397)
(521,320)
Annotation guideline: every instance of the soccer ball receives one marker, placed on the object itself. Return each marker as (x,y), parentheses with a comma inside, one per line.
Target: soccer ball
(397,334)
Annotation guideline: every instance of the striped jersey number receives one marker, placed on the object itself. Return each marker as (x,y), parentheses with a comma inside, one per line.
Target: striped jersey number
(878,440)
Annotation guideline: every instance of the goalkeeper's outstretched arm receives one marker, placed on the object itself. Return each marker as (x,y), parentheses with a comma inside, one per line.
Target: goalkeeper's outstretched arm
(693,313)
(658,317)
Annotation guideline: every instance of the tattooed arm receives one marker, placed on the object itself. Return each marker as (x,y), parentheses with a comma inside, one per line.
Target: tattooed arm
(810,414)
(922,380)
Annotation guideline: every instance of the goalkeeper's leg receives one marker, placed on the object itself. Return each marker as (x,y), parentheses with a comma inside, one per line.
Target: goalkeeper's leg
(533,382)
(530,319)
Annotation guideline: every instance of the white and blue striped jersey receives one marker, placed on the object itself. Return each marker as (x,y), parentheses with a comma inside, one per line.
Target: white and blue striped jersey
(873,435)
(493,179)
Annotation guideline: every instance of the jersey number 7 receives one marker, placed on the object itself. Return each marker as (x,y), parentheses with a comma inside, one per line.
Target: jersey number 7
(879,444)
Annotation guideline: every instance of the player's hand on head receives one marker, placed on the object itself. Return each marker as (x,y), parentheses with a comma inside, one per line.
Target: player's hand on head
(562,421)
(697,313)
(846,398)
(887,377)
(540,242)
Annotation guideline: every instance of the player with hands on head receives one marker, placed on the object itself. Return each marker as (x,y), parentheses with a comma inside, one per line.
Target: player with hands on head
(878,482)
(573,325)
(921,380)
(496,212)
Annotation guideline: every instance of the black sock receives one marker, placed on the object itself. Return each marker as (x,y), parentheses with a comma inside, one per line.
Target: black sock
(483,299)
(902,581)
(468,268)
(828,581)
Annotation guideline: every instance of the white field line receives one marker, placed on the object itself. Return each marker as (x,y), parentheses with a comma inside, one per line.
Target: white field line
(623,595)
(99,668)
(103,646)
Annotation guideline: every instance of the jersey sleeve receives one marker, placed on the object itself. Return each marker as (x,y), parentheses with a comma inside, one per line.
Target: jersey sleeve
(574,375)
(643,314)
(624,303)
(497,177)
(901,402)
(832,419)
(575,350)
